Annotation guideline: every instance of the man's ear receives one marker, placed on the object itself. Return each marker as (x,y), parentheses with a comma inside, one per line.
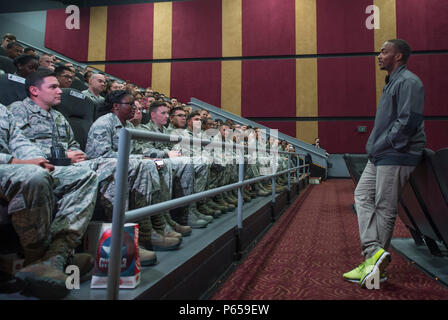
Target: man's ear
(34,91)
(398,56)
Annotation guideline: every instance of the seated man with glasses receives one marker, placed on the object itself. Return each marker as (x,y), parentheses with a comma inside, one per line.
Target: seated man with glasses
(65,76)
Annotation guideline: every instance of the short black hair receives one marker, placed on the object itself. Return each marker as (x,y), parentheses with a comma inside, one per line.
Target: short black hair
(60,69)
(403,47)
(24,59)
(173,110)
(28,49)
(115,97)
(37,78)
(13,44)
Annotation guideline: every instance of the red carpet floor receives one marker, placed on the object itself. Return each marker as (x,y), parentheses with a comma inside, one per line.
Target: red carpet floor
(304,255)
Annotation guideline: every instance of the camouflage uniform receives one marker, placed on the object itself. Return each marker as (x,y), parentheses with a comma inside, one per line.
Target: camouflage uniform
(48,128)
(102,141)
(217,171)
(30,191)
(182,166)
(190,175)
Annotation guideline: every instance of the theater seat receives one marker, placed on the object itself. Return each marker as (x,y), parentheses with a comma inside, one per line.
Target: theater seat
(12,89)
(434,190)
(424,194)
(7,65)
(79,111)
(355,165)
(79,84)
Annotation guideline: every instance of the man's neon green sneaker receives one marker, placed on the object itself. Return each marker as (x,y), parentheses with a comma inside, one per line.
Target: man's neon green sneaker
(355,274)
(380,260)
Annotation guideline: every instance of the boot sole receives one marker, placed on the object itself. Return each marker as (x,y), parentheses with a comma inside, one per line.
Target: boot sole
(43,288)
(160,248)
(148,263)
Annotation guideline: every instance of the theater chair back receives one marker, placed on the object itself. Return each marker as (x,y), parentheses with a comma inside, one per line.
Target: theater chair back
(7,65)
(12,88)
(425,196)
(79,111)
(79,84)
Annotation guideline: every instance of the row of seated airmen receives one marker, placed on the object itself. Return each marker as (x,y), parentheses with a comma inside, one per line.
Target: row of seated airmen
(51,205)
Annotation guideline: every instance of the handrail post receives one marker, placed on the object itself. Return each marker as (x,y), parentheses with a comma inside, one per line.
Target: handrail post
(119,210)
(289,172)
(239,216)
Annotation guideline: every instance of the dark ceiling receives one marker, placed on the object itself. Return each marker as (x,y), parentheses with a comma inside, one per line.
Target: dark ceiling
(37,5)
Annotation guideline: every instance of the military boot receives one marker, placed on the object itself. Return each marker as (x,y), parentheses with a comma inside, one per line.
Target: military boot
(151,240)
(264,188)
(260,192)
(228,196)
(205,210)
(182,229)
(220,200)
(159,242)
(193,217)
(147,258)
(85,262)
(212,203)
(279,188)
(267,186)
(252,193)
(168,231)
(246,195)
(228,199)
(45,279)
(206,213)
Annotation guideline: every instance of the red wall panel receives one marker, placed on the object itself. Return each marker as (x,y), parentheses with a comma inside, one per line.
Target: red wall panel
(432,70)
(268,88)
(71,43)
(346,86)
(130,32)
(342,136)
(341,26)
(268,27)
(138,73)
(201,80)
(197,29)
(423,24)
(286,127)
(436,134)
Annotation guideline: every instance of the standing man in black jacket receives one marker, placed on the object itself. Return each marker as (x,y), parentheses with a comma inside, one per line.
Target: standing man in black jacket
(394,148)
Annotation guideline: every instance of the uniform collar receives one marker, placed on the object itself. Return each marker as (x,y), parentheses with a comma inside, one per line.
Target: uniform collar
(34,107)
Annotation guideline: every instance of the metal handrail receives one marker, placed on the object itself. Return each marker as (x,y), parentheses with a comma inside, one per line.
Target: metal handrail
(120,216)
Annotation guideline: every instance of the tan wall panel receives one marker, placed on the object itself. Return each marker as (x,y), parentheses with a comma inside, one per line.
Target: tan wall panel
(306,37)
(307,131)
(306,87)
(231,86)
(163,27)
(161,78)
(232,28)
(97,34)
(387,31)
